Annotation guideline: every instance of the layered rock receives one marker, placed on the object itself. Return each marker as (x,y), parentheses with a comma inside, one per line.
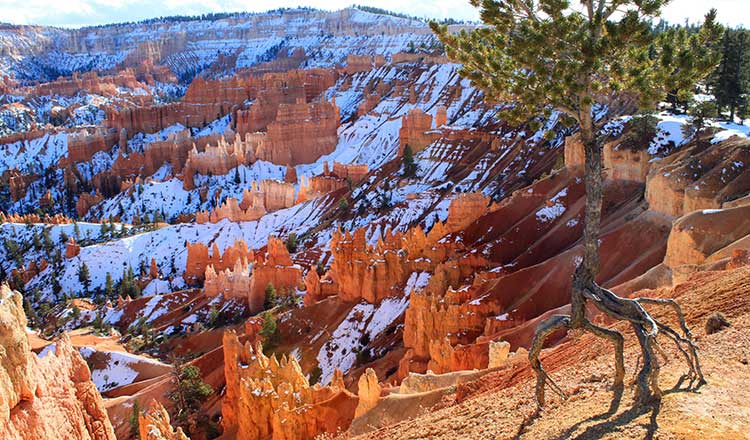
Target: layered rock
(699,178)
(465,209)
(300,133)
(83,145)
(234,283)
(262,198)
(153,424)
(365,272)
(368,391)
(276,269)
(72,249)
(697,236)
(416,131)
(86,201)
(331,180)
(88,82)
(271,90)
(218,160)
(271,398)
(198,259)
(363,63)
(48,398)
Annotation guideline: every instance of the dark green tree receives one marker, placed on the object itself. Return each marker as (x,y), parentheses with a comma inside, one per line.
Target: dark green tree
(410,166)
(540,56)
(190,391)
(270,299)
(269,331)
(109,287)
(84,277)
(731,80)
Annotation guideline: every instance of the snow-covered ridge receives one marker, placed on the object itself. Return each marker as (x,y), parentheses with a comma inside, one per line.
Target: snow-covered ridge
(327,37)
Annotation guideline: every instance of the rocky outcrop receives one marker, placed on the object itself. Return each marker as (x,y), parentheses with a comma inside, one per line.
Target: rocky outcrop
(198,259)
(301,133)
(465,209)
(86,201)
(72,249)
(231,283)
(365,272)
(276,269)
(271,90)
(369,390)
(89,82)
(621,162)
(153,424)
(331,180)
(267,397)
(363,63)
(697,236)
(262,198)
(48,398)
(230,209)
(416,131)
(218,160)
(83,145)
(699,178)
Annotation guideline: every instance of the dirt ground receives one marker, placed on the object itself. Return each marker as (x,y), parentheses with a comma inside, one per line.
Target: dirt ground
(501,405)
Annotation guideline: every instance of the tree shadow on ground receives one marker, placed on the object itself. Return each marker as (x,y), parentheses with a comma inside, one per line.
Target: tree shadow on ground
(607,424)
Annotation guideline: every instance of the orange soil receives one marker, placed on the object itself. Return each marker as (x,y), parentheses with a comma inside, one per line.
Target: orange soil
(501,405)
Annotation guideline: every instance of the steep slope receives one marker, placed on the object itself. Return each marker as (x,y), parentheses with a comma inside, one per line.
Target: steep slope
(501,404)
(47,398)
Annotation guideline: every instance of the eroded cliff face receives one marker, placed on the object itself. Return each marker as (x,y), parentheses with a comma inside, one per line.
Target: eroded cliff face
(153,424)
(271,398)
(708,236)
(198,259)
(699,177)
(48,398)
(262,198)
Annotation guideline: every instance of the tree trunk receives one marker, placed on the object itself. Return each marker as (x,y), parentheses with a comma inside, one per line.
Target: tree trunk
(586,274)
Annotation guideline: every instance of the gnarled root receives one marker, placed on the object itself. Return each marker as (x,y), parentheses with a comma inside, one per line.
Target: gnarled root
(646,329)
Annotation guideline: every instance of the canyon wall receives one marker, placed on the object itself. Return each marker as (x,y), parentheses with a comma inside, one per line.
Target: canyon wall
(49,398)
(300,133)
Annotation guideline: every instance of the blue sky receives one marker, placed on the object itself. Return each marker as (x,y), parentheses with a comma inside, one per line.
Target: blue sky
(75,13)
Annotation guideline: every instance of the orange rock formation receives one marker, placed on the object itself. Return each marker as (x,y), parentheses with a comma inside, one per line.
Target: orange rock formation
(48,398)
(268,196)
(416,131)
(153,424)
(300,133)
(198,259)
(270,398)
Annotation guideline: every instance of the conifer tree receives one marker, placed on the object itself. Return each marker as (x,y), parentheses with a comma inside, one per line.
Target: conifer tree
(109,287)
(731,84)
(541,56)
(84,277)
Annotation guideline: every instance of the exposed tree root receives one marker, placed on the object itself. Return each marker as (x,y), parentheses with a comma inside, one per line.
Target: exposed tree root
(646,328)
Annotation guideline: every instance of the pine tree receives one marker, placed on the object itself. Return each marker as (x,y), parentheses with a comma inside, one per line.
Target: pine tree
(84,277)
(410,167)
(545,56)
(190,391)
(731,81)
(270,298)
(109,287)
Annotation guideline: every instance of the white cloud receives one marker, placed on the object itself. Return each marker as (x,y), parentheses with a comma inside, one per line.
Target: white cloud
(87,12)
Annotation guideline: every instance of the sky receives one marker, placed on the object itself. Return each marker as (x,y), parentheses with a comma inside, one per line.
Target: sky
(76,13)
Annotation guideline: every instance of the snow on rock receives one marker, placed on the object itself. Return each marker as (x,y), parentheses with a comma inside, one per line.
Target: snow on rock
(553,210)
(363,319)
